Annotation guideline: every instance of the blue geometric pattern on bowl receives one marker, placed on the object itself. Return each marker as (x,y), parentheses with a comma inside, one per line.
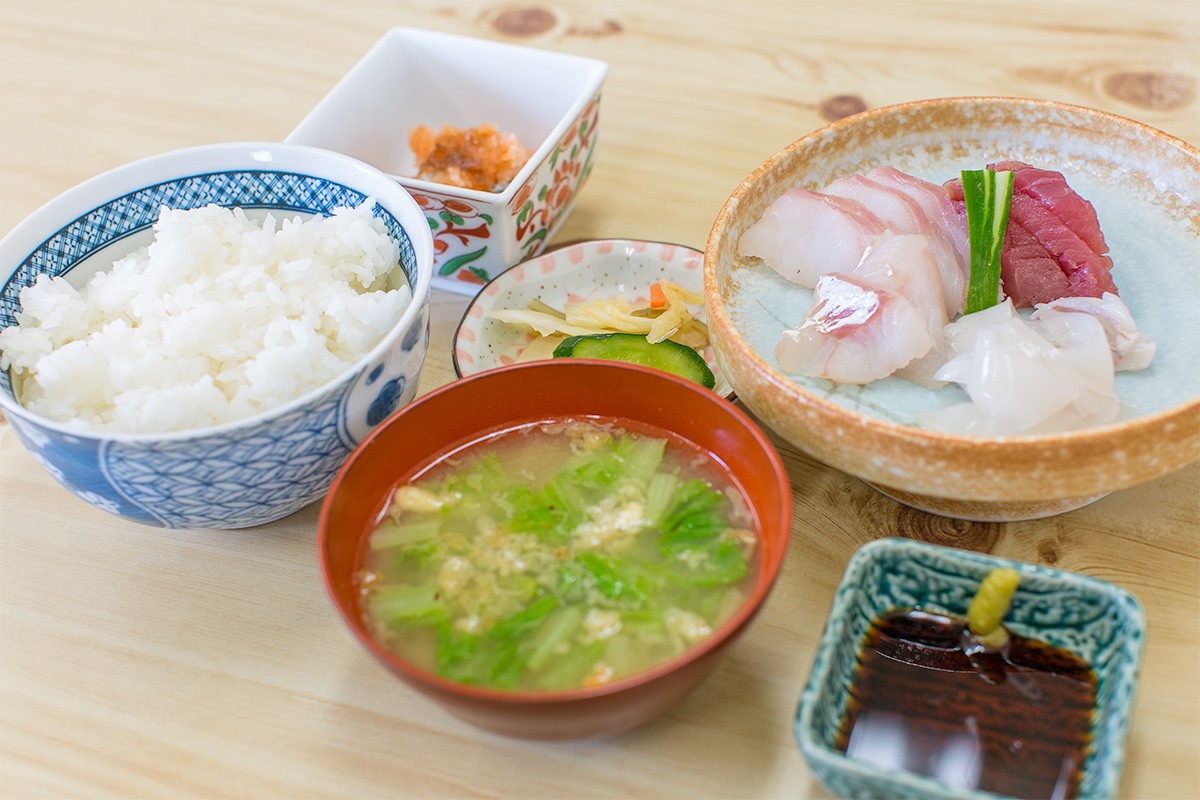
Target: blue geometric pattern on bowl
(238,475)
(1094,619)
(288,466)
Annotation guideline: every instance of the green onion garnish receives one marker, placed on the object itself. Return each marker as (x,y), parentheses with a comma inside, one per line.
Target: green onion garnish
(988,195)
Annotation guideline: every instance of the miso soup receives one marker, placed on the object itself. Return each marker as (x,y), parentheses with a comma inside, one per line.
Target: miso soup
(558,555)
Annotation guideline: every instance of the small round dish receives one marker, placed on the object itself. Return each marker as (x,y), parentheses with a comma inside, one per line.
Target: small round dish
(574,272)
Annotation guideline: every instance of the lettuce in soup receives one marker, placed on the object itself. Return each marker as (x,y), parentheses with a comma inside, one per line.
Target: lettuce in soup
(558,555)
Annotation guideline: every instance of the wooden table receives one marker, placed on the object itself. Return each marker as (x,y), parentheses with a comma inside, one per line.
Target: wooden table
(141,663)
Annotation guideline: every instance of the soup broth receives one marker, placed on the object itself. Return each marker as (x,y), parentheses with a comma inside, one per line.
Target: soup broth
(558,555)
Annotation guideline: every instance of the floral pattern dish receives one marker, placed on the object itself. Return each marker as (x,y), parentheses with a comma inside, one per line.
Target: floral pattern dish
(550,101)
(572,273)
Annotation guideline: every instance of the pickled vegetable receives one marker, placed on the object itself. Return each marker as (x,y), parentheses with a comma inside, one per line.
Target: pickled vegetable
(990,604)
(631,348)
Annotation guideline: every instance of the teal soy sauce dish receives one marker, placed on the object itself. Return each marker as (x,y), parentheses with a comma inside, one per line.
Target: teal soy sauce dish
(1093,620)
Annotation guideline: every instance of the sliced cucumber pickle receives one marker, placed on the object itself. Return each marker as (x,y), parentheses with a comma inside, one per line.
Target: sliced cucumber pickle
(632,348)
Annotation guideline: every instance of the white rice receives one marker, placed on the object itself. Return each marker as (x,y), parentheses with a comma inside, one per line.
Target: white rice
(220,318)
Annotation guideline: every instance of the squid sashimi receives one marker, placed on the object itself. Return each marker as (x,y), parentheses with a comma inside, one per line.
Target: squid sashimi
(803,235)
(1027,378)
(1131,349)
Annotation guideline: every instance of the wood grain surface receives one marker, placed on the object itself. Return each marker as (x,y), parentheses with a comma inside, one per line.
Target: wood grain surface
(140,663)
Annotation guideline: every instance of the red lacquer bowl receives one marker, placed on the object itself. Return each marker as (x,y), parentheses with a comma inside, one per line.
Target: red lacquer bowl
(459,413)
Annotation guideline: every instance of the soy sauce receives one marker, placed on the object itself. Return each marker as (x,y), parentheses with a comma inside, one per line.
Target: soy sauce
(1015,722)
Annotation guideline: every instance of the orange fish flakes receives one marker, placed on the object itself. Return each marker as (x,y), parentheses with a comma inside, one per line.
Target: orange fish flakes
(479,158)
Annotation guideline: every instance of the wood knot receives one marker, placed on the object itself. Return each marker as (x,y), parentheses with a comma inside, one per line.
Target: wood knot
(843,105)
(523,21)
(1156,91)
(609,27)
(1047,553)
(978,536)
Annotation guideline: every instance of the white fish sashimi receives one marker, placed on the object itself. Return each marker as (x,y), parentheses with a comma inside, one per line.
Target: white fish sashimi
(1025,378)
(854,333)
(903,214)
(803,235)
(1131,349)
(887,313)
(941,211)
(906,265)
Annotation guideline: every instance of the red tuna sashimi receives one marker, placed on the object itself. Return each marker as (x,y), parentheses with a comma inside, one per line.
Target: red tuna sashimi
(1046,254)
(1028,271)
(1051,190)
(1087,271)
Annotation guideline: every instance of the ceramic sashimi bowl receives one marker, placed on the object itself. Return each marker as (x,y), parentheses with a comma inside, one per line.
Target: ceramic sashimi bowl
(1093,619)
(550,101)
(1145,186)
(587,270)
(242,473)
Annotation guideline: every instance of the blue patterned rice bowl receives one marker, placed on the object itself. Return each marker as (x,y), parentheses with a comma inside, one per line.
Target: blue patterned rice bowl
(252,471)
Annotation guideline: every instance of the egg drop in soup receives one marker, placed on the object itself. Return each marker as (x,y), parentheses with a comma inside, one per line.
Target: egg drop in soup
(557,555)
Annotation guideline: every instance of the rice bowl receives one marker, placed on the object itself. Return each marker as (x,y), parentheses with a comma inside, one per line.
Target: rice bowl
(273,462)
